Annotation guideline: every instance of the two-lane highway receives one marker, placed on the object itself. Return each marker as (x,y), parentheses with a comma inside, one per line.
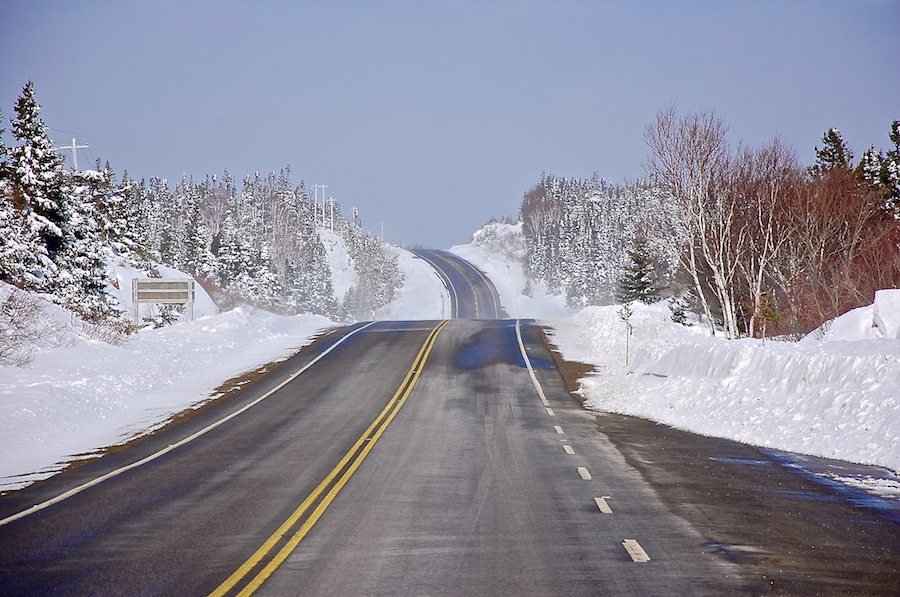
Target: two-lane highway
(472,294)
(481,487)
(434,465)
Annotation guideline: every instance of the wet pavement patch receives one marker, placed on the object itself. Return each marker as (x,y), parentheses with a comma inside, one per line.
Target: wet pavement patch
(741,461)
(496,345)
(860,498)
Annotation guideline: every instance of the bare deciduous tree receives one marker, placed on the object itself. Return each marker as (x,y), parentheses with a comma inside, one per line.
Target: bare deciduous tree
(23,325)
(689,156)
(760,181)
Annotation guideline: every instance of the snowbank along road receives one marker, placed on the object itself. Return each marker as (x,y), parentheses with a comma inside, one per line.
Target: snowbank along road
(438,458)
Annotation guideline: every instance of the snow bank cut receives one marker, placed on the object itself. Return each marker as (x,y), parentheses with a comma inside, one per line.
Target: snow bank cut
(834,394)
(499,251)
(83,395)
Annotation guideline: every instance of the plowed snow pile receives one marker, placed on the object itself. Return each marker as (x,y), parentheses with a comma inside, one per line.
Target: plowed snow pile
(835,394)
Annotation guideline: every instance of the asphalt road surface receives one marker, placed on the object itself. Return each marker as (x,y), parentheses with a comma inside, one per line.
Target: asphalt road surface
(472,294)
(421,459)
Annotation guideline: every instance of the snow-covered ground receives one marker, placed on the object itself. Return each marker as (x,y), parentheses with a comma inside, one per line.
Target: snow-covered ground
(423,295)
(836,398)
(342,275)
(80,395)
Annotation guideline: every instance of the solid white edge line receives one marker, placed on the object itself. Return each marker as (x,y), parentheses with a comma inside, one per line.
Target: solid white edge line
(635,550)
(534,379)
(166,450)
(495,296)
(447,283)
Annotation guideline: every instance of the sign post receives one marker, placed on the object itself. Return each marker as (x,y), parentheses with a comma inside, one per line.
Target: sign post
(178,291)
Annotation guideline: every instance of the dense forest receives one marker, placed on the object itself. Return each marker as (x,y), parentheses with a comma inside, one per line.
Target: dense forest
(256,245)
(750,239)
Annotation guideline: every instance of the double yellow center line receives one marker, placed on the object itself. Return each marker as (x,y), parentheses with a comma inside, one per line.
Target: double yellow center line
(324,494)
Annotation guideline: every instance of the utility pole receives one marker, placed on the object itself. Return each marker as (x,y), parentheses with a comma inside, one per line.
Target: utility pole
(332,213)
(316,204)
(74,149)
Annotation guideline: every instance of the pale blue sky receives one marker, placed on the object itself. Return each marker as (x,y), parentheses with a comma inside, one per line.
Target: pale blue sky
(433,116)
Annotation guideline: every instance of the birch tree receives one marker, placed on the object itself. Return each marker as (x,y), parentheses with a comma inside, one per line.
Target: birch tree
(761,182)
(688,156)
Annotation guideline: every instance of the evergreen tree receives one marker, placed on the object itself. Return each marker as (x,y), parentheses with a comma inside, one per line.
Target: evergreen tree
(23,257)
(890,169)
(880,171)
(835,153)
(81,280)
(869,168)
(639,281)
(32,171)
(4,152)
(197,258)
(124,222)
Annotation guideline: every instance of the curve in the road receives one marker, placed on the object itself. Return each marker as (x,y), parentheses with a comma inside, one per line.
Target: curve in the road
(472,294)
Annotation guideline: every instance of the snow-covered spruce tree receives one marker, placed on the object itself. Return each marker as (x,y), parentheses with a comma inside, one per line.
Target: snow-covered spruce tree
(52,242)
(81,279)
(312,290)
(834,153)
(117,211)
(32,173)
(161,215)
(23,256)
(868,170)
(639,281)
(123,219)
(880,171)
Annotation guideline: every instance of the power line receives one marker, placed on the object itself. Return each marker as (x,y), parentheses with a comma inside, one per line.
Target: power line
(59,131)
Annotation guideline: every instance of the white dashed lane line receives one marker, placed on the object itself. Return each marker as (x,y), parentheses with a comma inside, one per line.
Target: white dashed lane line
(635,550)
(603,505)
